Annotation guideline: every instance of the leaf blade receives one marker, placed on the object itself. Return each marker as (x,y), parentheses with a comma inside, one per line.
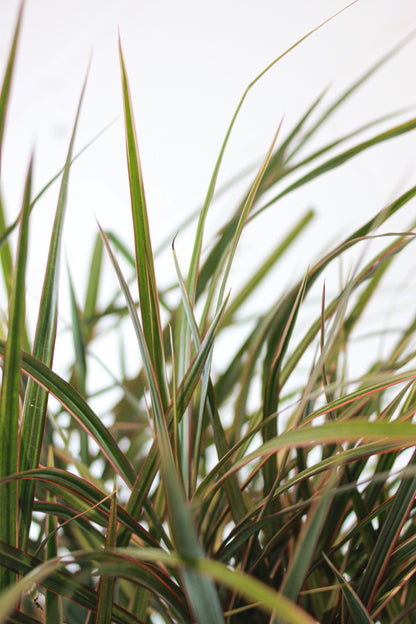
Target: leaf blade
(36,398)
(10,391)
(149,302)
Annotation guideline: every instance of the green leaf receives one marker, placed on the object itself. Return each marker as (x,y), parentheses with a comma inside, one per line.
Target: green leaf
(90,305)
(76,405)
(306,543)
(387,537)
(5,252)
(356,608)
(201,592)
(80,495)
(149,302)
(5,91)
(232,487)
(10,596)
(36,397)
(50,575)
(196,254)
(11,385)
(260,274)
(106,585)
(272,389)
(340,159)
(251,588)
(53,602)
(79,380)
(351,90)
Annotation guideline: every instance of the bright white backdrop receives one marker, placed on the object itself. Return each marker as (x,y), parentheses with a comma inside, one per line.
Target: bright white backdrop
(188,64)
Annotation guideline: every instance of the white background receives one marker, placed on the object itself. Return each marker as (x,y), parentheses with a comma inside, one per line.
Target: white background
(188,64)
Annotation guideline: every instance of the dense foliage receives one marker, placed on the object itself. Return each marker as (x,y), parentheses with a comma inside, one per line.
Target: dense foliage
(275,486)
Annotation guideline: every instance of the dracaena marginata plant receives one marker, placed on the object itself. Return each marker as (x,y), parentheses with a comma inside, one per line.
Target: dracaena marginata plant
(277,487)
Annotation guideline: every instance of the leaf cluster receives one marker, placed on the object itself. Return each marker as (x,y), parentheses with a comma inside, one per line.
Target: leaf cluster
(276,487)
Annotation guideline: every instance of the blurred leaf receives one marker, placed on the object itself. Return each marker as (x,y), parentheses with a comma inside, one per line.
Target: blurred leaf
(352,89)
(340,159)
(5,252)
(5,90)
(10,596)
(49,575)
(90,305)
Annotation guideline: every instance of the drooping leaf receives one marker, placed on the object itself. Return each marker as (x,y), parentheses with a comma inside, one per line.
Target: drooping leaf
(76,405)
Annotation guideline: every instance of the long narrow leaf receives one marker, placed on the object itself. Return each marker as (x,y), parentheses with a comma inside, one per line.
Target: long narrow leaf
(36,398)
(388,535)
(10,391)
(193,272)
(340,159)
(201,592)
(351,90)
(356,608)
(106,586)
(5,252)
(144,257)
(53,602)
(76,405)
(306,544)
(5,91)
(90,305)
(49,575)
